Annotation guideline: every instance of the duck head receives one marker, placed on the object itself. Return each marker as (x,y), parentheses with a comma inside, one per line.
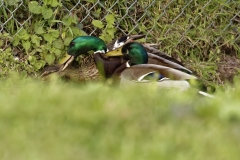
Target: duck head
(134,52)
(84,45)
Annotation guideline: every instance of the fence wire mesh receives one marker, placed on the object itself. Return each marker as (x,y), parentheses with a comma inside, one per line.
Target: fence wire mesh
(136,16)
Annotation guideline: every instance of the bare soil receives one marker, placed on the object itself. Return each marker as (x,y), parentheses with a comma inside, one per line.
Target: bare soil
(228,67)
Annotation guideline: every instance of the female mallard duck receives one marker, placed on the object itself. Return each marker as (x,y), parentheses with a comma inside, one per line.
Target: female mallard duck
(137,68)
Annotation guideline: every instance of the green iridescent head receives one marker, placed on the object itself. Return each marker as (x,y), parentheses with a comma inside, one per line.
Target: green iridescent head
(85,44)
(135,53)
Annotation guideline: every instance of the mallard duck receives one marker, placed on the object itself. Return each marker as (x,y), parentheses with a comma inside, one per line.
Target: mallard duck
(148,46)
(138,67)
(87,47)
(91,49)
(155,57)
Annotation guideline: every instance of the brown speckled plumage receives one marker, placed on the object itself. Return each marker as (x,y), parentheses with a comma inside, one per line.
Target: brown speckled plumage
(88,70)
(83,72)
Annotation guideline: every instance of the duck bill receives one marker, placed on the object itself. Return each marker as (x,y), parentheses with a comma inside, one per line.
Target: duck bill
(114,53)
(67,62)
(65,58)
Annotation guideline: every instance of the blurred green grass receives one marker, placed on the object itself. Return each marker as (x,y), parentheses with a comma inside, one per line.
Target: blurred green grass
(57,120)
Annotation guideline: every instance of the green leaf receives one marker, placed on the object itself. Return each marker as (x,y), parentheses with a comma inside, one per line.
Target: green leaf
(57,52)
(39,64)
(77,32)
(36,40)
(50,58)
(67,41)
(111,32)
(91,1)
(105,38)
(12,2)
(26,45)
(58,44)
(16,41)
(32,59)
(38,49)
(34,7)
(54,33)
(53,3)
(47,37)
(1,43)
(46,47)
(47,12)
(51,35)
(32,52)
(68,20)
(110,19)
(97,13)
(23,35)
(38,28)
(97,24)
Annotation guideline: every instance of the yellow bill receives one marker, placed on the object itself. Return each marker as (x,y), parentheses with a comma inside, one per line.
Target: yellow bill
(114,53)
(64,59)
(67,62)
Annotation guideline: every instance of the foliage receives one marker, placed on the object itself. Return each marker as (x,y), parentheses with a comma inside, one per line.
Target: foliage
(9,63)
(44,39)
(109,30)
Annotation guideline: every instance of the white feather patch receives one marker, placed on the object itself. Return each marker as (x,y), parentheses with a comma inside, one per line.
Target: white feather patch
(100,51)
(127,64)
(117,44)
(141,77)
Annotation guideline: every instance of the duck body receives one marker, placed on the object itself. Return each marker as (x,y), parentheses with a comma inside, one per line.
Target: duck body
(154,56)
(137,68)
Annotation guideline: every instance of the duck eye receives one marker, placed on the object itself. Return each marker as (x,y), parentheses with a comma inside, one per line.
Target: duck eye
(72,44)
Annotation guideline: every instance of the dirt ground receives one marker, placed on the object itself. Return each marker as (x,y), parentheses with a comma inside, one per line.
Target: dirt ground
(228,67)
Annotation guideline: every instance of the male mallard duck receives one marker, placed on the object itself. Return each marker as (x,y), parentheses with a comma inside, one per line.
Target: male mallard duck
(149,47)
(137,68)
(155,57)
(91,49)
(88,47)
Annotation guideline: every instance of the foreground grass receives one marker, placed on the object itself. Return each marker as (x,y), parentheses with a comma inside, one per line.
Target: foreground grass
(93,121)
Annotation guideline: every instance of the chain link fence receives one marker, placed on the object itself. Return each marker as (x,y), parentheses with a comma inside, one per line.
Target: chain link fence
(157,19)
